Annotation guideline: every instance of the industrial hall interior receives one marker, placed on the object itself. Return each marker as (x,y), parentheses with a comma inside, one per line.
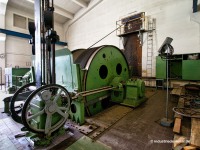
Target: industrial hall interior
(99,74)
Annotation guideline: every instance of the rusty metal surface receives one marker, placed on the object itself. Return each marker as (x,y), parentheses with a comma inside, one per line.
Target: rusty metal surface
(106,119)
(85,129)
(82,59)
(133,23)
(191,107)
(76,53)
(95,126)
(133,53)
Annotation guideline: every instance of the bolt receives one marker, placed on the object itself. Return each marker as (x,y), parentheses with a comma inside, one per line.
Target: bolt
(90,127)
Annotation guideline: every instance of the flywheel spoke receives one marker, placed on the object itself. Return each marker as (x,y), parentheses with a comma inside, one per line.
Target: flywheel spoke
(35,115)
(61,113)
(58,95)
(48,123)
(63,108)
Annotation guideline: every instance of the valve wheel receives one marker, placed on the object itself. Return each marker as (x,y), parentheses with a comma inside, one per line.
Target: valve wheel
(19,96)
(52,112)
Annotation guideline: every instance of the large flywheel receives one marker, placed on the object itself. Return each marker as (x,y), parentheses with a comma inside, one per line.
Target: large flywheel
(46,109)
(18,100)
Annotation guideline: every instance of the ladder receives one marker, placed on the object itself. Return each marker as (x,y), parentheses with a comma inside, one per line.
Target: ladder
(151,28)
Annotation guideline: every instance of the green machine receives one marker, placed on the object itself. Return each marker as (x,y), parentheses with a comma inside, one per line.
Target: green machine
(102,76)
(17,77)
(86,82)
(70,84)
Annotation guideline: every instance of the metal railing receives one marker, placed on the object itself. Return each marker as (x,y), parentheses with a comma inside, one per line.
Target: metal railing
(130,24)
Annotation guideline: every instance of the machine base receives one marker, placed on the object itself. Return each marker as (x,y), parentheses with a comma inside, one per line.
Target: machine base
(133,103)
(166,122)
(38,140)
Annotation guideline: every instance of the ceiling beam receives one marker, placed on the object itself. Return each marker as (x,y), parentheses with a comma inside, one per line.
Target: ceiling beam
(59,11)
(80,3)
(63,12)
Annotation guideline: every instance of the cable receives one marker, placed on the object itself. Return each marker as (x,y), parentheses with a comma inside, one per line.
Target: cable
(106,35)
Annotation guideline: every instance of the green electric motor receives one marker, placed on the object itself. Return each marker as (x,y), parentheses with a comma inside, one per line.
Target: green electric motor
(130,92)
(135,92)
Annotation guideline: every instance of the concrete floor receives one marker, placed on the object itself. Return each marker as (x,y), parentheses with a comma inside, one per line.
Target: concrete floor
(138,129)
(3,94)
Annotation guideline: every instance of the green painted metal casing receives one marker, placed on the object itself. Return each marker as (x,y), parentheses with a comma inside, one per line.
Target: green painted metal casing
(191,69)
(118,94)
(14,74)
(77,112)
(180,67)
(102,69)
(175,67)
(65,70)
(37,105)
(67,75)
(160,68)
(135,92)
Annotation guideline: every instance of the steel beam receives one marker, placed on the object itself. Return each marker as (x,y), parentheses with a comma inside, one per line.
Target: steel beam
(63,12)
(80,3)
(38,71)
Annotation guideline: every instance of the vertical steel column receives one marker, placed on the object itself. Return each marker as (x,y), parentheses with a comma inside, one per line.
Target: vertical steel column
(53,52)
(38,71)
(48,49)
(53,63)
(43,48)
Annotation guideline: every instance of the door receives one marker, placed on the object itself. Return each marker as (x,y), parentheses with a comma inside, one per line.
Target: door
(133,53)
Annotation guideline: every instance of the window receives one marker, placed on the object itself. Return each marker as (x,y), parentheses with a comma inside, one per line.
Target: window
(19,21)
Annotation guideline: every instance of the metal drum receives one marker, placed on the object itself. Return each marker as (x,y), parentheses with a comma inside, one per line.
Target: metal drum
(98,67)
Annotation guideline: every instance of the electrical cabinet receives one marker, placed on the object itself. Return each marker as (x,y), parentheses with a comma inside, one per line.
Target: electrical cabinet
(191,69)
(183,67)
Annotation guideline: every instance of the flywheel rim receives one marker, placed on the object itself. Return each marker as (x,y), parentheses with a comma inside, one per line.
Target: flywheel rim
(48,127)
(14,114)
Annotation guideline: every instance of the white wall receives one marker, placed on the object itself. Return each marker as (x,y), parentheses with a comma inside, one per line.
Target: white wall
(172,19)
(2,38)
(18,50)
